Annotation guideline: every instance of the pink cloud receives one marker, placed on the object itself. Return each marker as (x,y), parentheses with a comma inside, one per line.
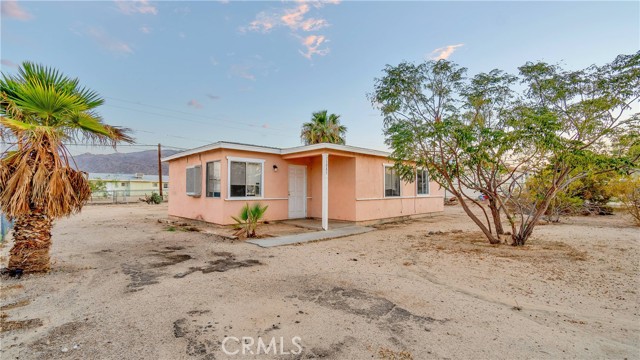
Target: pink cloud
(443,53)
(8,63)
(263,23)
(11,9)
(130,7)
(194,103)
(242,71)
(312,43)
(109,43)
(293,17)
(313,24)
(145,29)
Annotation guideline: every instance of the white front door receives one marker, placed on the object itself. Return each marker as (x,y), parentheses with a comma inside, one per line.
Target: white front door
(297,191)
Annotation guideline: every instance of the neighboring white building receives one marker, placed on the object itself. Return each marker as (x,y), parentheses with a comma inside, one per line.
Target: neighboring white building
(130,184)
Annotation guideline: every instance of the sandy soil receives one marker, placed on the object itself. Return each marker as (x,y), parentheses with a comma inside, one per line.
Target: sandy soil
(123,287)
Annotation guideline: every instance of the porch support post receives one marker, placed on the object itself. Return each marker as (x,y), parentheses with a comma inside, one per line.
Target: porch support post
(325,191)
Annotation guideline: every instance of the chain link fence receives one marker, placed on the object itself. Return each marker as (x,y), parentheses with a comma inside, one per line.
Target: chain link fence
(123,196)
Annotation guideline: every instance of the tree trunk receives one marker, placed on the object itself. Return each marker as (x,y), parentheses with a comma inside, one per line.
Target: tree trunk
(492,239)
(495,213)
(31,243)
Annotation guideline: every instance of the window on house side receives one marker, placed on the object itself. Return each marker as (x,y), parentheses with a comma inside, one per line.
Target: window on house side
(245,179)
(213,179)
(422,181)
(194,180)
(391,182)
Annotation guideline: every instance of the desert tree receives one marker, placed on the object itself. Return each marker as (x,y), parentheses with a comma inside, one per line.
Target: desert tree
(576,120)
(425,126)
(479,135)
(40,110)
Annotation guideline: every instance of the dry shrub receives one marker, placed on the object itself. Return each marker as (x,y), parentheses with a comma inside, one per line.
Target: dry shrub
(627,191)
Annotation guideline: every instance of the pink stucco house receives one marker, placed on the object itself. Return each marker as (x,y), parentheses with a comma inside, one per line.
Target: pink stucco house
(324,181)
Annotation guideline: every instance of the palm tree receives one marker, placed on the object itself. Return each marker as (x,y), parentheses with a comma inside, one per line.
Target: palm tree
(40,110)
(323,128)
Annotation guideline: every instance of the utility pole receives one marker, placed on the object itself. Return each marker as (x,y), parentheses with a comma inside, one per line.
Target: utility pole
(159,169)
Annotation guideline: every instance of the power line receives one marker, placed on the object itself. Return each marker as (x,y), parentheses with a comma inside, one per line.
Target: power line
(191,120)
(187,113)
(117,146)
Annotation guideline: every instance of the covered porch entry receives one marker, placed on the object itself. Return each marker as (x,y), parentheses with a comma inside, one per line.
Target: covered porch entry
(321,186)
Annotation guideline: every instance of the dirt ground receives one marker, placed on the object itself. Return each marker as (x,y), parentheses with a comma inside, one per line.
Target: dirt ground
(126,287)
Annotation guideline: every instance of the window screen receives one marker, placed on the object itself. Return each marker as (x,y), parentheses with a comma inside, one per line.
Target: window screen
(213,179)
(194,180)
(391,182)
(245,179)
(422,181)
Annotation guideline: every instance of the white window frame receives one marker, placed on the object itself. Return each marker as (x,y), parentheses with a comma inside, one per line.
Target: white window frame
(384,180)
(245,160)
(428,182)
(198,189)
(206,176)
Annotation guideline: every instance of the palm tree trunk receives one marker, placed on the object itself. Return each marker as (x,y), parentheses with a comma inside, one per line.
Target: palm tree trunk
(31,243)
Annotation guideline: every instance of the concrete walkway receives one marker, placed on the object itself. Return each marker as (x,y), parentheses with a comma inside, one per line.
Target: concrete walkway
(311,236)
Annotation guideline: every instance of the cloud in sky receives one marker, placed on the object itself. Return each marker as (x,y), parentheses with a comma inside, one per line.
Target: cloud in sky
(9,63)
(109,43)
(243,71)
(194,103)
(292,18)
(296,20)
(130,7)
(145,29)
(312,43)
(11,9)
(213,97)
(444,52)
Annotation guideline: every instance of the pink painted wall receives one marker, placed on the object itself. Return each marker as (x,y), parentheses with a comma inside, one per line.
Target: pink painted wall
(356,188)
(220,210)
(371,203)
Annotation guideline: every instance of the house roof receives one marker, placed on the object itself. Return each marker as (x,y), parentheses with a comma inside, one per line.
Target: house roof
(273,150)
(127,177)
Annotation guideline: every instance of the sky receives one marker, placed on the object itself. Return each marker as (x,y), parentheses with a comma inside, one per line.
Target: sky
(186,74)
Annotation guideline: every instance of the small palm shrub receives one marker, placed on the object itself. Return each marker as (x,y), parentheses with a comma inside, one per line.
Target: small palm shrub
(247,221)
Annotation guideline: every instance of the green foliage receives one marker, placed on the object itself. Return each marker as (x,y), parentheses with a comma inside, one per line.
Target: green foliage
(249,218)
(481,134)
(154,198)
(97,186)
(323,128)
(626,190)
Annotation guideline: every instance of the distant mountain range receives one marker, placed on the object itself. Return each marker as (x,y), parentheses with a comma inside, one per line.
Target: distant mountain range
(123,163)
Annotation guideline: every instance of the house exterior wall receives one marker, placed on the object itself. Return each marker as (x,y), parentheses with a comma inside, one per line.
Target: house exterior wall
(219,210)
(356,188)
(371,204)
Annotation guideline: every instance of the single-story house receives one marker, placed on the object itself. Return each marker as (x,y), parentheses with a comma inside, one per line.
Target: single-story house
(324,181)
(130,184)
